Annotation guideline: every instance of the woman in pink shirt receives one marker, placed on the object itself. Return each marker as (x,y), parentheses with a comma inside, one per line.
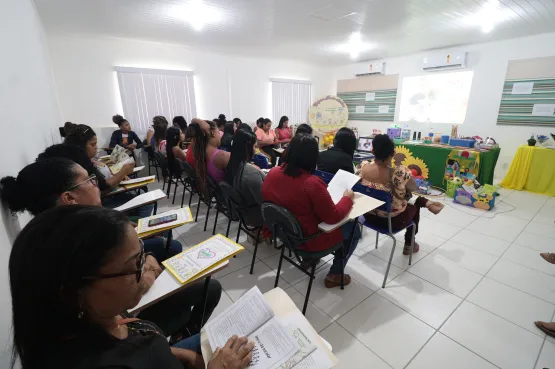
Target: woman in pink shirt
(283,131)
(266,140)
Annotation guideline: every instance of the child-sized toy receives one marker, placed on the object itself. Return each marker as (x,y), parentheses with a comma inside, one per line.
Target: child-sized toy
(394,132)
(453,185)
(480,200)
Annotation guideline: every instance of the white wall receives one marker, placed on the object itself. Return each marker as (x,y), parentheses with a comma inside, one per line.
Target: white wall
(489,63)
(28,114)
(238,87)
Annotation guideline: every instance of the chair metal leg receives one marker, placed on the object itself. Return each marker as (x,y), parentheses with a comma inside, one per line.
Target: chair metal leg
(238,232)
(164,186)
(216,220)
(198,209)
(169,185)
(228,225)
(377,236)
(207,215)
(183,196)
(175,192)
(309,286)
(149,165)
(255,250)
(412,243)
(390,259)
(190,198)
(157,175)
(279,267)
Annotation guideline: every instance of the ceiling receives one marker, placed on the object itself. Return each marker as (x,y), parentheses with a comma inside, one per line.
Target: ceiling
(308,30)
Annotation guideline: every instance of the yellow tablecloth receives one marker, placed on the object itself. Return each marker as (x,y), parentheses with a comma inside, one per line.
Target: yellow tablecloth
(532,169)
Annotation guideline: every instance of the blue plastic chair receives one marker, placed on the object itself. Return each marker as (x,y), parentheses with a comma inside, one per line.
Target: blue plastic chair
(260,161)
(388,231)
(326,177)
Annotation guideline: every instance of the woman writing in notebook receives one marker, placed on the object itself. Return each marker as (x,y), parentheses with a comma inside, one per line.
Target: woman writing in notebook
(267,140)
(308,199)
(69,185)
(70,285)
(381,174)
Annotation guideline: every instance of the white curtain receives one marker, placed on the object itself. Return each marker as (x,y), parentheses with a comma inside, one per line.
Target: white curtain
(291,98)
(146,93)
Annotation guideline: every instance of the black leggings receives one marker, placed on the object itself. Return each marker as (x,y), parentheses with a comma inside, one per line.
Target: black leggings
(271,153)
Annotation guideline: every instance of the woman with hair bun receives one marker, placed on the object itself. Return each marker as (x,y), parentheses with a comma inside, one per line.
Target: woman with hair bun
(124,137)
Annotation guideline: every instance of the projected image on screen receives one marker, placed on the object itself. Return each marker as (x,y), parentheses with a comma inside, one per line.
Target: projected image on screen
(436,98)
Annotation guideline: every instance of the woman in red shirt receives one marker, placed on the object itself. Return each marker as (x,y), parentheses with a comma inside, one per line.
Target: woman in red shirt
(307,197)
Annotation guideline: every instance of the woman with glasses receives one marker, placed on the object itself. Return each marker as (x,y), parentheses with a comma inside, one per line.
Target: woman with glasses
(71,285)
(69,184)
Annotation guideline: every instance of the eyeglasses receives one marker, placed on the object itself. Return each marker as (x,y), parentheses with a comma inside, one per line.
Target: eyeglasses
(138,272)
(92,179)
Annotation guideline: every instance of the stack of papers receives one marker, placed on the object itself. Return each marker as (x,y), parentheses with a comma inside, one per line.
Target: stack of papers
(340,182)
(137,182)
(196,260)
(183,216)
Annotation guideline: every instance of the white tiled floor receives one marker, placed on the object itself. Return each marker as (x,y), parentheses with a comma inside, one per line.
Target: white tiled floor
(469,300)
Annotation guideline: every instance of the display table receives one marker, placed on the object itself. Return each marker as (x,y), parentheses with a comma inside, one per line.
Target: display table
(532,169)
(435,158)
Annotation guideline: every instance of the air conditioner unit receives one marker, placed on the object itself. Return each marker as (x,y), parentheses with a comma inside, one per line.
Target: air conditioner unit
(435,62)
(370,69)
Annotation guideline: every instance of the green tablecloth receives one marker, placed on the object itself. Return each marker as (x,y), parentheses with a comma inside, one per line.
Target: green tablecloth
(436,157)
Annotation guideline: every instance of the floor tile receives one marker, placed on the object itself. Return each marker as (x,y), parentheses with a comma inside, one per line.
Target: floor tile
(390,332)
(428,242)
(399,260)
(196,238)
(511,304)
(239,282)
(466,257)
(334,301)
(502,226)
(547,356)
(453,216)
(442,352)
(349,351)
(529,257)
(370,271)
(264,250)
(439,228)
(446,275)
(242,260)
(289,272)
(546,215)
(524,279)
(422,299)
(481,242)
(536,242)
(493,338)
(224,303)
(315,316)
(541,229)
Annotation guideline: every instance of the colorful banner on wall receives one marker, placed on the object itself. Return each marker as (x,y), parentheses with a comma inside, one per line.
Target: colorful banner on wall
(328,114)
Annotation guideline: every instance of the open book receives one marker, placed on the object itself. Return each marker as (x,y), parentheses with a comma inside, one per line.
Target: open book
(341,181)
(183,216)
(282,341)
(137,182)
(117,167)
(197,259)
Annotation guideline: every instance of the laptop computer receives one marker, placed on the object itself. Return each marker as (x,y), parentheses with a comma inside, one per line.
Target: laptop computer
(365,144)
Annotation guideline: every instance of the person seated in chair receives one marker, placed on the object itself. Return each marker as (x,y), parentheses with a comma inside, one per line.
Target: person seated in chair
(340,156)
(303,129)
(382,175)
(124,137)
(292,186)
(227,138)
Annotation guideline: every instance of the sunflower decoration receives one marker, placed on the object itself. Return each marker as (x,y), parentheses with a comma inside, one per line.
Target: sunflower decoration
(401,153)
(418,168)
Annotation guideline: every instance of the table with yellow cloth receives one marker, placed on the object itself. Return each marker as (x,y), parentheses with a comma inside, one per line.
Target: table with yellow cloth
(532,169)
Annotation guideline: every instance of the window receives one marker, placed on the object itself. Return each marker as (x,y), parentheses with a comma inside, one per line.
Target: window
(291,98)
(146,93)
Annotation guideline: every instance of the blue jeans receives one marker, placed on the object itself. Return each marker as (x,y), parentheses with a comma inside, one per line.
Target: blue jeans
(346,229)
(158,247)
(192,343)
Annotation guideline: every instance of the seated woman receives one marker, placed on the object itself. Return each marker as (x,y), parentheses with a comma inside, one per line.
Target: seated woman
(259,124)
(84,137)
(382,175)
(283,131)
(293,186)
(237,123)
(124,137)
(174,138)
(209,160)
(227,138)
(180,122)
(156,137)
(70,184)
(340,156)
(266,140)
(83,281)
(220,123)
(303,129)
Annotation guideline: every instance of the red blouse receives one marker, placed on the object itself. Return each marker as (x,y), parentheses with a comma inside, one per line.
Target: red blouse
(189,157)
(307,197)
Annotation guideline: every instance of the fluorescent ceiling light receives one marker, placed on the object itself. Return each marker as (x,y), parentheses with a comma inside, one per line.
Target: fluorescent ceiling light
(488,17)
(196,13)
(354,46)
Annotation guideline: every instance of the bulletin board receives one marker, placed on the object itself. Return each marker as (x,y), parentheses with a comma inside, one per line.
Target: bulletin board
(370,98)
(529,93)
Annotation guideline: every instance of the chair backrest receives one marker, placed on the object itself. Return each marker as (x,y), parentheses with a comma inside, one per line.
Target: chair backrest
(190,174)
(384,196)
(162,162)
(150,151)
(326,177)
(237,202)
(284,225)
(261,161)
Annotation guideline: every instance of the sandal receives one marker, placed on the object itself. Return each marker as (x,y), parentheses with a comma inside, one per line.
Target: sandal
(334,280)
(548,256)
(435,207)
(545,330)
(406,249)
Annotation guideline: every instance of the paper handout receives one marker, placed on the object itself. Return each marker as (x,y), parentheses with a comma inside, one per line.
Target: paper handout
(137,180)
(340,182)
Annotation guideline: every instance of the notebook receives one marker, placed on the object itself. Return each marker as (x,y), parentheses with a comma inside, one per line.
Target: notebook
(184,216)
(137,182)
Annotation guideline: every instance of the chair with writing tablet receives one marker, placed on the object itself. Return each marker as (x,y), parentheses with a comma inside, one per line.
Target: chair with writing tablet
(152,162)
(221,204)
(163,165)
(286,227)
(188,180)
(261,161)
(326,177)
(239,206)
(388,231)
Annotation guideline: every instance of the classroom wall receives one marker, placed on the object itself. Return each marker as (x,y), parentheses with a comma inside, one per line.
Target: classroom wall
(28,113)
(489,63)
(236,86)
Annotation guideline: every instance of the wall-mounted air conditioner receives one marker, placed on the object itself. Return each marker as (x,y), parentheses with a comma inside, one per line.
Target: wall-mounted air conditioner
(367,69)
(441,61)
